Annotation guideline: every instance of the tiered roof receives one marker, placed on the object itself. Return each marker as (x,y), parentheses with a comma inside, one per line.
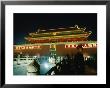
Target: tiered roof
(59,33)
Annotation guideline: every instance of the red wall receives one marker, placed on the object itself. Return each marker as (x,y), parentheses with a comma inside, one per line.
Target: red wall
(61,50)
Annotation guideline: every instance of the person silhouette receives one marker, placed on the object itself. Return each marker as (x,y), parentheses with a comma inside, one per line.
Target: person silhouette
(79,61)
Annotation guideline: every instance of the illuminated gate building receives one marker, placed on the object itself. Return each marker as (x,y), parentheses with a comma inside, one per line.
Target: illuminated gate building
(59,41)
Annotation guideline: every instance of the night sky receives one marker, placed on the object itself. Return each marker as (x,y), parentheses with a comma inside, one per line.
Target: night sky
(25,23)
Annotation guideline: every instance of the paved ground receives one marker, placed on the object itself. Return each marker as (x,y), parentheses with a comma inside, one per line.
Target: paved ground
(90,71)
(22,69)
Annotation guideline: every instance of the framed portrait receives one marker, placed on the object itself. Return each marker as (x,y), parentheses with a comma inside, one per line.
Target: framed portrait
(44,43)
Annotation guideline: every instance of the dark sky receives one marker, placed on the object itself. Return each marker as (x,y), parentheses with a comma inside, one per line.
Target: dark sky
(25,23)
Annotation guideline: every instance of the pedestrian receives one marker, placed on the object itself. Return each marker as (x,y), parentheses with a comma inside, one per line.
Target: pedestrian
(79,61)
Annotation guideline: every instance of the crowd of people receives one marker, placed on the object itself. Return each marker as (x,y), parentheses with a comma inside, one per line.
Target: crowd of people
(70,65)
